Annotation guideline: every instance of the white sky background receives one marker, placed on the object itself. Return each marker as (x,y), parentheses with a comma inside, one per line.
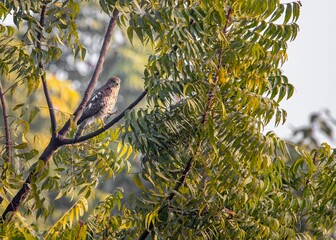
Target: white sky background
(311,65)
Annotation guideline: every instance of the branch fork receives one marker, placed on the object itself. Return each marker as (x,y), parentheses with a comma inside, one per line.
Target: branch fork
(57,139)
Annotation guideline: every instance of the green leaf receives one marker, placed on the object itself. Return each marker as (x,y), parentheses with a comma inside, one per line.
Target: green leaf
(18,106)
(33,114)
(288,13)
(21,146)
(138,182)
(28,155)
(130,34)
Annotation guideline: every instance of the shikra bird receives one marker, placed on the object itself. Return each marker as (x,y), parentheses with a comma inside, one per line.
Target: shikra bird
(100,104)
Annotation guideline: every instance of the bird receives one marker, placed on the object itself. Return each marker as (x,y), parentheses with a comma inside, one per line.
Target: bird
(100,104)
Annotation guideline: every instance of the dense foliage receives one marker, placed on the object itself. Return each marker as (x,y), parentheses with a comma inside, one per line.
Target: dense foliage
(208,169)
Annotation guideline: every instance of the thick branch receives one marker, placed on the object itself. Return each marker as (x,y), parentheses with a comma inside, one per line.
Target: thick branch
(24,192)
(55,142)
(8,152)
(107,126)
(95,75)
(44,82)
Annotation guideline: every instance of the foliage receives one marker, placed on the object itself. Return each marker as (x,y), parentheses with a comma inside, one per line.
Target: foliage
(208,171)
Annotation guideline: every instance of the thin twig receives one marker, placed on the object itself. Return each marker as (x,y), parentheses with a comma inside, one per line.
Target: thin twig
(8,143)
(95,74)
(44,82)
(108,125)
(13,85)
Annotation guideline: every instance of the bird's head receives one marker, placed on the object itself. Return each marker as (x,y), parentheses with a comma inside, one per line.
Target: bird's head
(113,82)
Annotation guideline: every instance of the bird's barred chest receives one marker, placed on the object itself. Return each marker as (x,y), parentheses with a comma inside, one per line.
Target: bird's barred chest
(100,105)
(107,103)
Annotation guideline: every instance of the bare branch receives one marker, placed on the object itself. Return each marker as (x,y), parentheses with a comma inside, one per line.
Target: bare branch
(8,152)
(44,82)
(107,126)
(95,75)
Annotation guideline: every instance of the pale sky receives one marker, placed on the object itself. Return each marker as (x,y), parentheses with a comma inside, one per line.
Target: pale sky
(311,65)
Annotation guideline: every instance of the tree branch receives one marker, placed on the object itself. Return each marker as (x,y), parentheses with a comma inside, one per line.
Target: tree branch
(177,186)
(24,192)
(8,143)
(44,82)
(106,126)
(187,168)
(95,75)
(55,141)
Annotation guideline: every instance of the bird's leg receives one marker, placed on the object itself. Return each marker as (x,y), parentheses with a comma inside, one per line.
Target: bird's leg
(80,130)
(110,113)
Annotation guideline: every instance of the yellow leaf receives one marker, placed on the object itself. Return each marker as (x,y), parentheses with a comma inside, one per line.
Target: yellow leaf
(71,217)
(123,151)
(119,146)
(130,150)
(221,75)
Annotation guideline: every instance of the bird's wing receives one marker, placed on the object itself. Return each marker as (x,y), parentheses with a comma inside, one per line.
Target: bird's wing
(94,105)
